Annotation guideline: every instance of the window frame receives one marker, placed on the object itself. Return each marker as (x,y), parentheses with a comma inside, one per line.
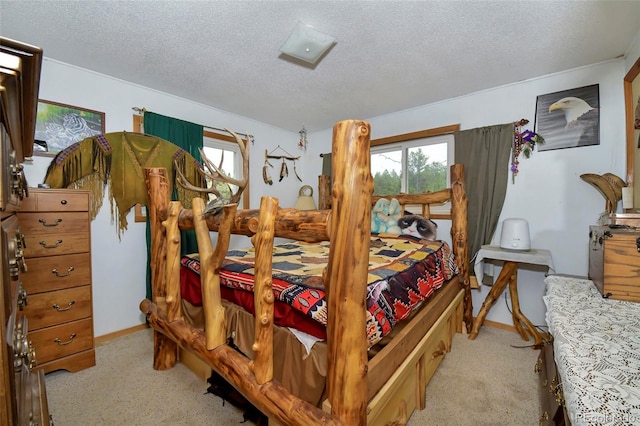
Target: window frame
(225,142)
(443,212)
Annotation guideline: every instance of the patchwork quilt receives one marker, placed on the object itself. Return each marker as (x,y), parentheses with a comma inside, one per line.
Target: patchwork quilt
(403,272)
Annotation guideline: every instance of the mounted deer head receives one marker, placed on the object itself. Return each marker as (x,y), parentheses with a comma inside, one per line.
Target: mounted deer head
(215,175)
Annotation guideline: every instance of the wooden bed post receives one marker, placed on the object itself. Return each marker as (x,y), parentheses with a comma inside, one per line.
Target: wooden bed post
(263,290)
(165,350)
(210,262)
(347,272)
(173,299)
(460,238)
(324,192)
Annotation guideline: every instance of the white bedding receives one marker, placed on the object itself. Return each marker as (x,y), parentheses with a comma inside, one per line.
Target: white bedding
(597,352)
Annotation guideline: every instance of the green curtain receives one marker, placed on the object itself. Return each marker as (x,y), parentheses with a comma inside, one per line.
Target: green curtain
(485,154)
(187,136)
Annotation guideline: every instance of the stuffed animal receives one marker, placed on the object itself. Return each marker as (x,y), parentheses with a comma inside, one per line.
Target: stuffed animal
(418,227)
(385,215)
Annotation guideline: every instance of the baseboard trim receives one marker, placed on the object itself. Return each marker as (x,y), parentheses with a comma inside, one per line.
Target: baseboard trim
(106,337)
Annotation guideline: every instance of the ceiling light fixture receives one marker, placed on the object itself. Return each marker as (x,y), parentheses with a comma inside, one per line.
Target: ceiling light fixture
(307,44)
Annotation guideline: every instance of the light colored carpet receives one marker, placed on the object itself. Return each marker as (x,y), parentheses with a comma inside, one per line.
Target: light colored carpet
(484,381)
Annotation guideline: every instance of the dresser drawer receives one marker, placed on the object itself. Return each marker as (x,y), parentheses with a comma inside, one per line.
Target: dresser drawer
(52,245)
(550,390)
(57,307)
(62,340)
(52,200)
(33,409)
(56,272)
(53,223)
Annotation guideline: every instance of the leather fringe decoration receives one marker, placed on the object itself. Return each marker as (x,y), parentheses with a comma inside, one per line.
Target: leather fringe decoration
(116,160)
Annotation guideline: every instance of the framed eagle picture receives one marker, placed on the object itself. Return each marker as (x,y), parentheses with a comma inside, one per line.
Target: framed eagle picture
(569,118)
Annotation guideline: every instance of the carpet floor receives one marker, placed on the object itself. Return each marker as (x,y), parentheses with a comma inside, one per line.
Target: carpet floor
(486,381)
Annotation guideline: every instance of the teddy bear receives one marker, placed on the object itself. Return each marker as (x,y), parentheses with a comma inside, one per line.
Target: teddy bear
(385,215)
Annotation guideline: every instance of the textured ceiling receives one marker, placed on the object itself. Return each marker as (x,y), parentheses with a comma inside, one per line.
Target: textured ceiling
(389,56)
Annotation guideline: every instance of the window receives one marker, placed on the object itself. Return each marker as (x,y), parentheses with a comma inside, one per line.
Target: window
(412,167)
(217,150)
(413,163)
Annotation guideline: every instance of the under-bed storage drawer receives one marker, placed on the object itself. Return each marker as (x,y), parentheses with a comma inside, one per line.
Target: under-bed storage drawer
(406,389)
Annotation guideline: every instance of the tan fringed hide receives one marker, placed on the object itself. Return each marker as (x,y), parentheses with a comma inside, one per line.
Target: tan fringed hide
(117,159)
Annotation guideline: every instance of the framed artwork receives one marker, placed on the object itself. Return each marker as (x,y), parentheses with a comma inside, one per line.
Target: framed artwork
(569,119)
(59,125)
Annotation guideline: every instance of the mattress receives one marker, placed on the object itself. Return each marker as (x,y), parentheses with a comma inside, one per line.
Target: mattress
(403,272)
(597,352)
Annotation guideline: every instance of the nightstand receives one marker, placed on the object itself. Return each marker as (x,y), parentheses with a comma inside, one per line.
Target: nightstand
(508,276)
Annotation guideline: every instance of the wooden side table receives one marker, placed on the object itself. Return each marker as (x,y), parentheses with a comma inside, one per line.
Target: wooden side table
(508,276)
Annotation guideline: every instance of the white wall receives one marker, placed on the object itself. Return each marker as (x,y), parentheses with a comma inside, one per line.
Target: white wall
(548,191)
(118,267)
(633,53)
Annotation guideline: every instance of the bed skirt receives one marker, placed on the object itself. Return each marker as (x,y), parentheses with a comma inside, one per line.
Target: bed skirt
(303,373)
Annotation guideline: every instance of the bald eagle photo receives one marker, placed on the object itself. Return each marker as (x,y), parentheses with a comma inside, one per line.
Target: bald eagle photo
(570,118)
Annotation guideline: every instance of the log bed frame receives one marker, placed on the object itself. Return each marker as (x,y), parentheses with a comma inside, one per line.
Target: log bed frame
(350,389)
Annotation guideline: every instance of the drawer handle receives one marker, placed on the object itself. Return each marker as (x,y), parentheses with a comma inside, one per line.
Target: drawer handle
(61,343)
(44,244)
(59,309)
(538,367)
(66,274)
(44,222)
(440,351)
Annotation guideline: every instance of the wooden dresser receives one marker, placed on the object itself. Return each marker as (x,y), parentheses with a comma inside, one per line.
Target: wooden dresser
(549,388)
(23,398)
(57,233)
(614,261)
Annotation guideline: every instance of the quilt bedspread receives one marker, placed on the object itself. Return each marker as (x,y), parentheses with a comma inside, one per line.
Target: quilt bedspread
(402,274)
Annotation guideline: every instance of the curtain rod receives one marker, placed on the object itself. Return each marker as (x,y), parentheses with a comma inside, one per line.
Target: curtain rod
(250,137)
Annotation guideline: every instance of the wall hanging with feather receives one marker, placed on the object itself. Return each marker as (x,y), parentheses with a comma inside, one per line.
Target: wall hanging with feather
(284,168)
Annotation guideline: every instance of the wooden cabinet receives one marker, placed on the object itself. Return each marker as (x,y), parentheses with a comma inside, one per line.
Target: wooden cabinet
(23,398)
(57,233)
(549,388)
(614,262)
